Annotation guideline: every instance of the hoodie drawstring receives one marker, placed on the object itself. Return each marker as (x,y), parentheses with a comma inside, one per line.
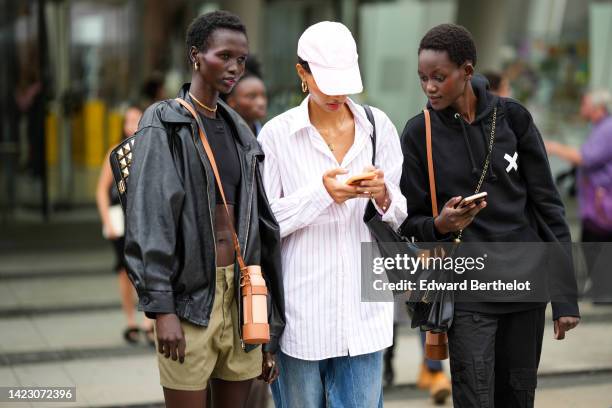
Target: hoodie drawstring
(467,144)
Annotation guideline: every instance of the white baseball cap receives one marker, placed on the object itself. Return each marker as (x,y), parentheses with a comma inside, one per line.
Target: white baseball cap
(331,53)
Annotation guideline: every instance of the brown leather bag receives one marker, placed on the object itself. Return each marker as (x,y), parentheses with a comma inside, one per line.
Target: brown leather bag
(436,344)
(255,327)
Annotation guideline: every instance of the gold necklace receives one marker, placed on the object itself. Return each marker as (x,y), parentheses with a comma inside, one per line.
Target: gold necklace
(326,131)
(213,110)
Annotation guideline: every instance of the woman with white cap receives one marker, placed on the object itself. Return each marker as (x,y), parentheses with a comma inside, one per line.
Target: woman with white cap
(333,342)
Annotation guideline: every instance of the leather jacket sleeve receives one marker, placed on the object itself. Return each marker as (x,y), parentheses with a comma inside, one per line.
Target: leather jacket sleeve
(269,233)
(156,197)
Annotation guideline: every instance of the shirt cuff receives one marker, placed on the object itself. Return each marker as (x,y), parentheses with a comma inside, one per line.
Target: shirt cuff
(394,215)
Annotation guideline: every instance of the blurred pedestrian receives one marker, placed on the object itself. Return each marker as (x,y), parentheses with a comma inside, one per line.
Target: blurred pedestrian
(482,140)
(153,89)
(594,161)
(180,244)
(331,350)
(249,100)
(107,199)
(431,375)
(499,84)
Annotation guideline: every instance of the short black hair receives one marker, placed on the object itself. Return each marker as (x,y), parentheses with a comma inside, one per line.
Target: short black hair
(456,40)
(202,27)
(304,65)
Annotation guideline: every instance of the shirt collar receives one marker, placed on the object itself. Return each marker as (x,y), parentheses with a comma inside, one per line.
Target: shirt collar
(302,119)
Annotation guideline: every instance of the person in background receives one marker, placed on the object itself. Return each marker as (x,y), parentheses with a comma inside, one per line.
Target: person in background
(594,160)
(498,84)
(107,199)
(594,176)
(431,375)
(249,100)
(153,89)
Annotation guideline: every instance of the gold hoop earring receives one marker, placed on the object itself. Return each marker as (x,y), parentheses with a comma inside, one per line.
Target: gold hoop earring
(196,65)
(304,87)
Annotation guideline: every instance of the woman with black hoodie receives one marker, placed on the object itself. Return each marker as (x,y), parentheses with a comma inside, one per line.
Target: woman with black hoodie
(494,347)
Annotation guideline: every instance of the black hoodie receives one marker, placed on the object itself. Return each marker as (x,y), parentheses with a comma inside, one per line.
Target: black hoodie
(519,177)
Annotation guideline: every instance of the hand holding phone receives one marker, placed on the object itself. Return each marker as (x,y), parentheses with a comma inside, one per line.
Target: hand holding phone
(355,180)
(476,199)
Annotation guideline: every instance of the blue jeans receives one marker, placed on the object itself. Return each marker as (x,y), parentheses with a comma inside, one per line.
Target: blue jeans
(338,382)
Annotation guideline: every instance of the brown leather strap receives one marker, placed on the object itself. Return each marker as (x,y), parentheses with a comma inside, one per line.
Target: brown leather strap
(430,168)
(435,343)
(255,290)
(213,164)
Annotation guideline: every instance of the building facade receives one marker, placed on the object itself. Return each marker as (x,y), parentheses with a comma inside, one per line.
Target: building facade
(79,63)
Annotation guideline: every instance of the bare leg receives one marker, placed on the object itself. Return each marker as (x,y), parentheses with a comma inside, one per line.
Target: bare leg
(185,399)
(126,291)
(147,324)
(230,394)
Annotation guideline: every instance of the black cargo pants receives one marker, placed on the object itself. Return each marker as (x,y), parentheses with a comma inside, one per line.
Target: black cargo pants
(494,358)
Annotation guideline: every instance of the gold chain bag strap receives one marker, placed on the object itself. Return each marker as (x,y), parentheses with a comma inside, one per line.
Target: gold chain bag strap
(487,163)
(255,327)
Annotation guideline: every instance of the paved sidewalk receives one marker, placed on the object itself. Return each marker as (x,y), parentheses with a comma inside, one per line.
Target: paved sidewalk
(133,379)
(61,324)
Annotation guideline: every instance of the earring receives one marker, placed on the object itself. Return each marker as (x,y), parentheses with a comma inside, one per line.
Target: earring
(304,87)
(196,65)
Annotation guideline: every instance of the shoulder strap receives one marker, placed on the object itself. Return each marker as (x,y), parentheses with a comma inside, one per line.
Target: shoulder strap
(430,168)
(370,115)
(213,164)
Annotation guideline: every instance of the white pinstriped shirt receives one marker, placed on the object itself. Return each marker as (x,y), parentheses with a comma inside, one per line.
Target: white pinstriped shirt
(321,240)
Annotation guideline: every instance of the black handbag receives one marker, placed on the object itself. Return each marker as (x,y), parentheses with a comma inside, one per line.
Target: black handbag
(390,242)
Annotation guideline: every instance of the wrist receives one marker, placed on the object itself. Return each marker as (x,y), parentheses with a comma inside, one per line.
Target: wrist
(383,201)
(439,227)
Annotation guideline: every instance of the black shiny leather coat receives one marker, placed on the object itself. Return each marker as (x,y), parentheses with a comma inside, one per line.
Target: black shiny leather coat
(170,250)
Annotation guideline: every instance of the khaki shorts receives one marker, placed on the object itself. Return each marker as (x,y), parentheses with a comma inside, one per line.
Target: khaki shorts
(214,351)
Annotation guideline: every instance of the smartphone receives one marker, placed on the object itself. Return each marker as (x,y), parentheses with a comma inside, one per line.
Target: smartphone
(354,180)
(476,198)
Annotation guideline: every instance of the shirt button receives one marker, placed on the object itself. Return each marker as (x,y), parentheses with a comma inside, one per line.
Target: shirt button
(145,300)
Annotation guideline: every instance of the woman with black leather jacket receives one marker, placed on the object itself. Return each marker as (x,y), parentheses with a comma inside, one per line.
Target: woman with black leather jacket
(179,239)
